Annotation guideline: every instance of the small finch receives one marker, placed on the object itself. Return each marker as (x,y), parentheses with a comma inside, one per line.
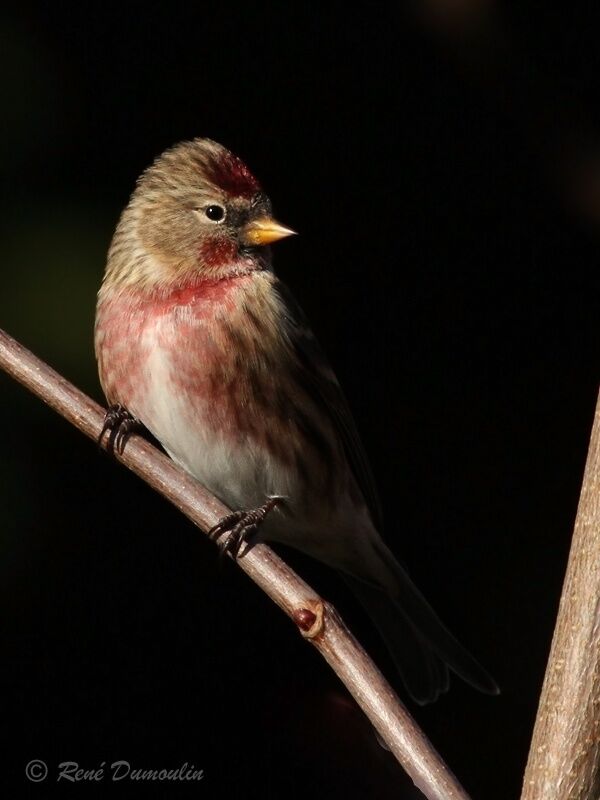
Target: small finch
(197,340)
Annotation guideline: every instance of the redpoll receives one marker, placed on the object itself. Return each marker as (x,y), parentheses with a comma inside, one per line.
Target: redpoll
(199,341)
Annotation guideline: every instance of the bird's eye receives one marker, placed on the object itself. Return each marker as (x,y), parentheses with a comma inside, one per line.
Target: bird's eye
(215,213)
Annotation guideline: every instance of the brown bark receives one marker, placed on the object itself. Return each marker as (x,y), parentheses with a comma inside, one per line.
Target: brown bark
(317,620)
(564,759)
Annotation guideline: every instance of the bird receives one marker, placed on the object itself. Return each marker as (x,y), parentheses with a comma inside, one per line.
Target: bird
(201,344)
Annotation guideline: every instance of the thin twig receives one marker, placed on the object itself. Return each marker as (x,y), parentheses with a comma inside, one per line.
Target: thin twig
(317,620)
(564,760)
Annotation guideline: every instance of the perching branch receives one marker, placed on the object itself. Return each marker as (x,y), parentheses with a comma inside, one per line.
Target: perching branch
(564,760)
(317,620)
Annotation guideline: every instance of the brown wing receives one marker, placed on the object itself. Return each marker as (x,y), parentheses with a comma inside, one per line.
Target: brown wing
(322,384)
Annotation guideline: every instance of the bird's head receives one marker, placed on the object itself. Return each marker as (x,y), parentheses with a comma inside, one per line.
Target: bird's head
(196,213)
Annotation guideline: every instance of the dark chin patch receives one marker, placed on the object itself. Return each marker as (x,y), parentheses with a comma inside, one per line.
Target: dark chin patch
(232,176)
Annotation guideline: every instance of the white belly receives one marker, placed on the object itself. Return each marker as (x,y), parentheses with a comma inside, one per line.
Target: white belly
(234,469)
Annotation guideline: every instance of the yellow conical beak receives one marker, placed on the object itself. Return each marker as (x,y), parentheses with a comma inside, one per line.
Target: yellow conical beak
(264,231)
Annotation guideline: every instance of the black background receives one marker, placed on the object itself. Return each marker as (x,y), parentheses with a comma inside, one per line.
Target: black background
(443,171)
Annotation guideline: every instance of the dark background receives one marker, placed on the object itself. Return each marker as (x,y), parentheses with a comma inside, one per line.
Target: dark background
(442,163)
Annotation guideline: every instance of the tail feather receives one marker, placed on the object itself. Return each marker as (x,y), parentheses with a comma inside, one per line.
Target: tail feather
(420,644)
(424,675)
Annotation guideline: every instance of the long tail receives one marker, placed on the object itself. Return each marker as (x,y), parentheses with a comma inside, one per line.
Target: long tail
(420,644)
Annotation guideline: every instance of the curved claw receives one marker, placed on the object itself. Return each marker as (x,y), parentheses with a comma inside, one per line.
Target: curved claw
(241,525)
(119,424)
(225,524)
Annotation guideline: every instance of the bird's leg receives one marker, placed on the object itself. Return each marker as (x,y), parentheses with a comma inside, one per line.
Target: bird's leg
(241,525)
(119,424)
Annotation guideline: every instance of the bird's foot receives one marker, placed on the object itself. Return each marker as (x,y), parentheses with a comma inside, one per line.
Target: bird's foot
(241,525)
(119,424)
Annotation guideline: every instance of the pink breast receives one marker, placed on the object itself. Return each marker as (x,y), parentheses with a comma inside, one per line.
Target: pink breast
(204,362)
(187,324)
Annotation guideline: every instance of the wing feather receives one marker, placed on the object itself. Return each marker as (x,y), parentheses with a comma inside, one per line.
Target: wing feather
(321,383)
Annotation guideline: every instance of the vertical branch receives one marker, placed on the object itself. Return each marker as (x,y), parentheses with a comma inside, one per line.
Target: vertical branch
(564,760)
